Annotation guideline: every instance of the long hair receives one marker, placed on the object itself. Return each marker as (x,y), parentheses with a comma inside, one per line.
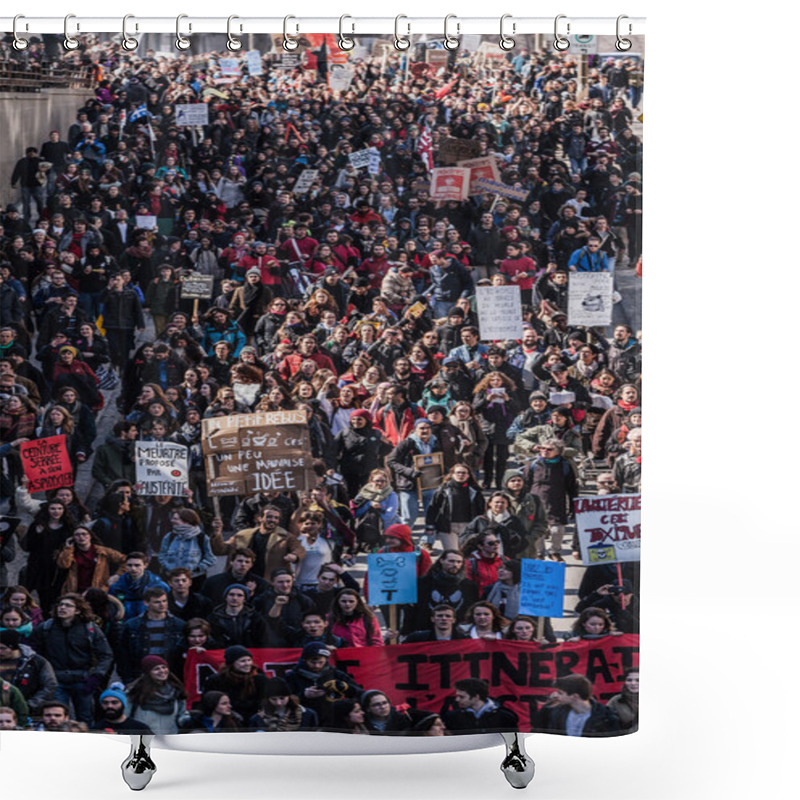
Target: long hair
(587,613)
(68,426)
(84,610)
(362,610)
(498,620)
(144,687)
(483,385)
(5,598)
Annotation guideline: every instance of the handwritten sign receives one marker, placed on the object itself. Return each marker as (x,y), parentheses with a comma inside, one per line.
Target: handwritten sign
(253,60)
(162,468)
(452,150)
(230,66)
(480,168)
(450,183)
(590,298)
(340,78)
(499,312)
(392,578)
(542,588)
(305,181)
(46,463)
(361,158)
(146,222)
(503,189)
(195,286)
(191,114)
(609,528)
(289,61)
(261,452)
(374,166)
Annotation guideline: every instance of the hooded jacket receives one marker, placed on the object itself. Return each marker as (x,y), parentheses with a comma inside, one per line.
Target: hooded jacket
(34,677)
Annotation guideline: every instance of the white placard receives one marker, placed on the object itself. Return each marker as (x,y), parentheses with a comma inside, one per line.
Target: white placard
(191,114)
(374,167)
(340,78)
(254,66)
(499,312)
(146,222)
(360,158)
(162,468)
(229,66)
(305,181)
(590,298)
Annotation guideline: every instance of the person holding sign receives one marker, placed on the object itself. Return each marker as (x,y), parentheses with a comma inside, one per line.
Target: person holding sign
(495,401)
(405,473)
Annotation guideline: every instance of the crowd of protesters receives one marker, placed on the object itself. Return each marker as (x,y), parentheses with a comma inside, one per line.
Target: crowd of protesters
(353,302)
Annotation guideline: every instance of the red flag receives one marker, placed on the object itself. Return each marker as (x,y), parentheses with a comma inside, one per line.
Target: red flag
(425,148)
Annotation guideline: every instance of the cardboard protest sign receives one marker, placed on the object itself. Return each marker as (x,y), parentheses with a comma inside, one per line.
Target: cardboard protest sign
(499,312)
(422,675)
(542,588)
(253,60)
(339,79)
(305,181)
(195,286)
(609,528)
(260,452)
(503,189)
(590,298)
(162,468)
(431,471)
(452,150)
(191,114)
(480,168)
(449,183)
(46,463)
(391,578)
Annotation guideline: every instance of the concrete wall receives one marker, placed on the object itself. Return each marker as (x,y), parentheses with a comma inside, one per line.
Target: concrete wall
(26,120)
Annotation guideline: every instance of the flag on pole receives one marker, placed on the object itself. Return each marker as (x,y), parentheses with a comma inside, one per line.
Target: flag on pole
(140,112)
(425,148)
(123,121)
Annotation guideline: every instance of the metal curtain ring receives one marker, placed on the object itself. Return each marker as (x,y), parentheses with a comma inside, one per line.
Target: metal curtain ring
(181,41)
(401,42)
(128,42)
(19,43)
(506,42)
(623,44)
(70,42)
(451,42)
(344,42)
(233,43)
(560,43)
(290,44)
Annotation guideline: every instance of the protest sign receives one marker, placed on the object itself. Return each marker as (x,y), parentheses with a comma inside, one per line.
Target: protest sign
(146,222)
(162,468)
(590,298)
(609,528)
(480,168)
(438,58)
(416,310)
(503,189)
(260,452)
(361,158)
(374,166)
(191,114)
(431,471)
(253,60)
(449,183)
(290,61)
(542,588)
(422,675)
(391,578)
(305,181)
(46,463)
(340,78)
(195,286)
(230,67)
(499,312)
(452,150)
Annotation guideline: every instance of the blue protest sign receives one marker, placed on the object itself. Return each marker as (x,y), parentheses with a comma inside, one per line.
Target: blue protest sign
(542,590)
(392,578)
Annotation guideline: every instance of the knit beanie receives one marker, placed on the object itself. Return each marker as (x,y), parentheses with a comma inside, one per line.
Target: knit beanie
(235,652)
(150,662)
(276,687)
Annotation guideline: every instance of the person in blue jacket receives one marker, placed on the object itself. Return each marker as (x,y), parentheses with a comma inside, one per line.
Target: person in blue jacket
(220,327)
(589,258)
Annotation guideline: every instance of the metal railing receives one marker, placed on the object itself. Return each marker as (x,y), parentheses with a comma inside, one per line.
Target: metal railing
(17,76)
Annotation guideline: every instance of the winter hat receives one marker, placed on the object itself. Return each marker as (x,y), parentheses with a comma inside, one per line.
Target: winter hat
(238,586)
(315,649)
(253,271)
(455,311)
(235,652)
(399,531)
(276,687)
(421,421)
(249,349)
(10,638)
(437,409)
(421,721)
(368,695)
(536,396)
(150,662)
(115,690)
(362,413)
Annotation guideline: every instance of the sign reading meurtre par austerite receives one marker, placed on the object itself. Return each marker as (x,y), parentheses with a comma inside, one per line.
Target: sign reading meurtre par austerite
(162,468)
(499,312)
(261,452)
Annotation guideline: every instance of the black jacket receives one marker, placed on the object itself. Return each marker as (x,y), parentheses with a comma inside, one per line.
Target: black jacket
(122,310)
(603,721)
(74,652)
(495,718)
(34,677)
(358,452)
(246,628)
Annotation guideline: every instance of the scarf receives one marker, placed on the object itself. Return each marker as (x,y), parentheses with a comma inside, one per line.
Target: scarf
(424,448)
(628,406)
(162,701)
(186,531)
(372,495)
(290,721)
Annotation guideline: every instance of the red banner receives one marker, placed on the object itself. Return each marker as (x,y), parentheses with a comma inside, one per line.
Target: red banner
(520,674)
(46,463)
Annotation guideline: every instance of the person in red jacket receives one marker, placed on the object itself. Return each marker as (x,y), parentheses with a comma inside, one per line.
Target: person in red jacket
(520,269)
(364,215)
(482,560)
(396,419)
(263,258)
(306,351)
(299,247)
(376,266)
